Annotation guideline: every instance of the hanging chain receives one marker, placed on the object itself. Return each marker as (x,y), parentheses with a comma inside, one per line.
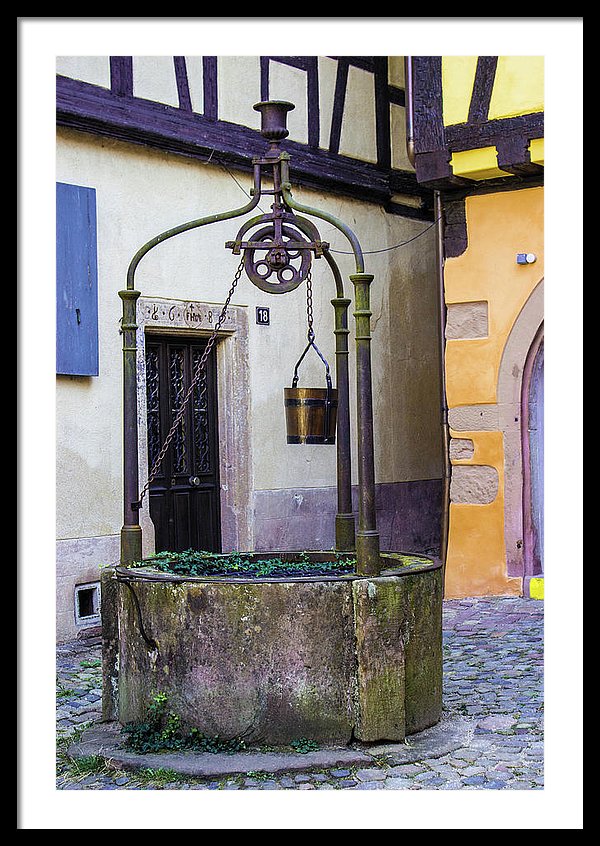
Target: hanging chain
(309,307)
(200,374)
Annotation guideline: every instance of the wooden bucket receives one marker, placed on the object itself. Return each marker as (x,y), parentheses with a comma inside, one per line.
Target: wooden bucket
(310,415)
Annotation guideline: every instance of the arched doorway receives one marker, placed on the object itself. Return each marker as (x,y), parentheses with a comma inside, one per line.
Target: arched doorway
(532,417)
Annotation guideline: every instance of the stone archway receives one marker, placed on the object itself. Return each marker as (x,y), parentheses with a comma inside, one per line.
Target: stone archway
(527,330)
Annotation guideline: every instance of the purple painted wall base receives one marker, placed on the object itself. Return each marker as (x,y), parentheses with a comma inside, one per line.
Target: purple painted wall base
(408,517)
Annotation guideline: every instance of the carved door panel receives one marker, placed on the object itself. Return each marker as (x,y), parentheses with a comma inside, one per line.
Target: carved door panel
(184,497)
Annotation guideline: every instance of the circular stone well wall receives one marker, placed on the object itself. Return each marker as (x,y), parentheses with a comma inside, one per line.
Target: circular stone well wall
(327,658)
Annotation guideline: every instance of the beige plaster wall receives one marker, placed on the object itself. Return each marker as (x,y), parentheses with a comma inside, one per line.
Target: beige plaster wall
(141,193)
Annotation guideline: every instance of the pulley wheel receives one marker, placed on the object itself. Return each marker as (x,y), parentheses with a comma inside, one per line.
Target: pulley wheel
(280,270)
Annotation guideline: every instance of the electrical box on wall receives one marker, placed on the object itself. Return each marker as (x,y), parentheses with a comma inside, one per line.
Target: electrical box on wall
(526,258)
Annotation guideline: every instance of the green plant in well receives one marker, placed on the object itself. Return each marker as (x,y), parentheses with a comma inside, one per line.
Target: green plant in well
(201,563)
(161,730)
(302,745)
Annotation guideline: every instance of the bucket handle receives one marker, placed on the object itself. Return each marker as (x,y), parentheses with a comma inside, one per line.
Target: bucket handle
(311,343)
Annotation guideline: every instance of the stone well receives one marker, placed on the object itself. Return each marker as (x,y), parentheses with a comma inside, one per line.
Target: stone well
(327,658)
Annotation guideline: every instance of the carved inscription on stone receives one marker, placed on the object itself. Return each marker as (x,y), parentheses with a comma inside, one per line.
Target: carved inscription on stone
(183,314)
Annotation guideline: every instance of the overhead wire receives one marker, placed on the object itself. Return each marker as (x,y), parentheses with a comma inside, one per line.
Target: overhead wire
(338,252)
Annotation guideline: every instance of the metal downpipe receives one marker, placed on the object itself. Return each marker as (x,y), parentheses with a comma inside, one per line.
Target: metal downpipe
(445,520)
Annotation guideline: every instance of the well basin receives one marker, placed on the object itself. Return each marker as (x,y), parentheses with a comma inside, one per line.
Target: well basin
(326,658)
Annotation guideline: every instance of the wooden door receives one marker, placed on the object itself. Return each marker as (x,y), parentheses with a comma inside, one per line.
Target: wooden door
(536,457)
(184,497)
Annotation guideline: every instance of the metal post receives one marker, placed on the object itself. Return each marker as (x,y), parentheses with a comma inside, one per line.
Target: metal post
(367,538)
(131,533)
(344,520)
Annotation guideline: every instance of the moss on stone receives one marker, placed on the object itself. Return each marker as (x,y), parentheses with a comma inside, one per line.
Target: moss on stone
(279,660)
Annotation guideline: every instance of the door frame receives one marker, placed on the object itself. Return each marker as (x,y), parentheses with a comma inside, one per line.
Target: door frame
(170,485)
(509,420)
(532,566)
(194,319)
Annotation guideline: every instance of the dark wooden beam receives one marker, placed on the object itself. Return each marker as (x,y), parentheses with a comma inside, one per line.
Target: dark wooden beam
(363,62)
(89,108)
(466,136)
(339,99)
(396,95)
(382,113)
(428,121)
(485,75)
(209,75)
(183,88)
(514,156)
(264,78)
(312,96)
(121,75)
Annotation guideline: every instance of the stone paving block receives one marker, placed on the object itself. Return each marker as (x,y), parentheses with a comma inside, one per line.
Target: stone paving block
(406,770)
(370,775)
(396,784)
(474,779)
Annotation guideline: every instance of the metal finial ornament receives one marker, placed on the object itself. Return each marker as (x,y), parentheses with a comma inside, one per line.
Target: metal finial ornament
(277,256)
(274,122)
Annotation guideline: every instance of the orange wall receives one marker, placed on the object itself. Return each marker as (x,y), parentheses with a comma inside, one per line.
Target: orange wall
(499,226)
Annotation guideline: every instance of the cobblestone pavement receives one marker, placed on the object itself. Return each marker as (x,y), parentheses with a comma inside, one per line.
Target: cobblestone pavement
(493,675)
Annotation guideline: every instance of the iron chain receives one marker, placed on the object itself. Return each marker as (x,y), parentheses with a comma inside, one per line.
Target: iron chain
(199,375)
(309,307)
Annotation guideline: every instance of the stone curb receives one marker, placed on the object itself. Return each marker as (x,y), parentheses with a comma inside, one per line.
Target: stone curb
(446,736)
(104,740)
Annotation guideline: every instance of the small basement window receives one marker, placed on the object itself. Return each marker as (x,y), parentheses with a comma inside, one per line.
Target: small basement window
(87,603)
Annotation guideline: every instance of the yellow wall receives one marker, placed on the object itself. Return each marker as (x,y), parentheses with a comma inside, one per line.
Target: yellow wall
(518,90)
(518,87)
(458,76)
(476,556)
(499,226)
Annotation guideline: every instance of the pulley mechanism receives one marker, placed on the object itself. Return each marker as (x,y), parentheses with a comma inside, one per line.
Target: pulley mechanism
(278,246)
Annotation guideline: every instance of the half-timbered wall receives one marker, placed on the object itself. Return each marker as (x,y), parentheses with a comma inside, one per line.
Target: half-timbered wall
(478,118)
(346,132)
(479,140)
(138,132)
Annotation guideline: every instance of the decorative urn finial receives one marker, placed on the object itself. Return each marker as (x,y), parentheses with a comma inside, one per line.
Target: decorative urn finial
(274,122)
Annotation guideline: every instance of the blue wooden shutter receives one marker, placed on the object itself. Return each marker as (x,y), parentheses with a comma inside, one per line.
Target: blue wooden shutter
(76,281)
